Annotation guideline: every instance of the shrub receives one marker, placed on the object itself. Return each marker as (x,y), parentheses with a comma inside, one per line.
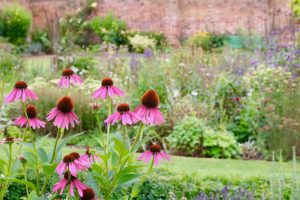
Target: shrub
(164,185)
(160,39)
(220,144)
(110,29)
(296,8)
(15,23)
(193,137)
(206,41)
(41,38)
(187,136)
(140,43)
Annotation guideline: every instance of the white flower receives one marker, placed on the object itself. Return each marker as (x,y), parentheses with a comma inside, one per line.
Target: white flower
(194,93)
(94,5)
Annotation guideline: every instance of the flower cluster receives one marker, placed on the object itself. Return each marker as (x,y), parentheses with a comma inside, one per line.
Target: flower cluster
(64,117)
(68,168)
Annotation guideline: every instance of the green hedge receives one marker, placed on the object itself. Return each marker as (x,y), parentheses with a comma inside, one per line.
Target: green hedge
(165,185)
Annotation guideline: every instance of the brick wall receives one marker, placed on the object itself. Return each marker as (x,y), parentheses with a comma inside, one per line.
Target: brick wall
(176,18)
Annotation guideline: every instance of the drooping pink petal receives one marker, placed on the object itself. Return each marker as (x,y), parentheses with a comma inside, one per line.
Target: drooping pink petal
(117,91)
(72,169)
(11,96)
(61,167)
(72,188)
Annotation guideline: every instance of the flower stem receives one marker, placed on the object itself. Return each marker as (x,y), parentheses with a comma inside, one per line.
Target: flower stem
(6,184)
(124,135)
(25,177)
(138,136)
(27,119)
(10,159)
(59,135)
(36,168)
(55,145)
(109,101)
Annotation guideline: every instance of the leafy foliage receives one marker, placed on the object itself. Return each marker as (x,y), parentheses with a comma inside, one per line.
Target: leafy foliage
(110,29)
(15,22)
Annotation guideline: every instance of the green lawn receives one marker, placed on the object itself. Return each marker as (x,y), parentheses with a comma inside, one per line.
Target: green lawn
(216,167)
(228,167)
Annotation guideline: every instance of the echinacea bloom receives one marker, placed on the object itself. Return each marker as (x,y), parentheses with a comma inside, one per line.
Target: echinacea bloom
(68,76)
(149,111)
(63,114)
(71,180)
(124,114)
(20,92)
(95,106)
(88,194)
(89,156)
(154,152)
(107,89)
(34,122)
(73,162)
(10,140)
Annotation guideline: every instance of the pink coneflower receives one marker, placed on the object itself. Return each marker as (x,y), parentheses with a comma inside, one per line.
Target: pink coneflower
(73,162)
(20,92)
(149,111)
(107,89)
(63,113)
(154,152)
(88,194)
(10,140)
(90,157)
(123,113)
(72,181)
(68,76)
(95,106)
(34,122)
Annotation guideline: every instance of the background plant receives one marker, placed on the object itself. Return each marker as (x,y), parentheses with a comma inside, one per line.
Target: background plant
(15,23)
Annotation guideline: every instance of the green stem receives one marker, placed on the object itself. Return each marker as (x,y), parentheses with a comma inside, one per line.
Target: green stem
(55,145)
(98,123)
(145,176)
(37,172)
(6,184)
(10,159)
(138,136)
(58,137)
(27,119)
(108,125)
(25,177)
(124,135)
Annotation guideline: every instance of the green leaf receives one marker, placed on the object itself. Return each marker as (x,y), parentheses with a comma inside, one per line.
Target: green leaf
(120,147)
(135,190)
(127,178)
(66,140)
(114,158)
(29,157)
(42,154)
(29,184)
(49,169)
(140,143)
(130,170)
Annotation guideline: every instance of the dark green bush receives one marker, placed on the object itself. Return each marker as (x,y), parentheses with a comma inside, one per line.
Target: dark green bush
(15,23)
